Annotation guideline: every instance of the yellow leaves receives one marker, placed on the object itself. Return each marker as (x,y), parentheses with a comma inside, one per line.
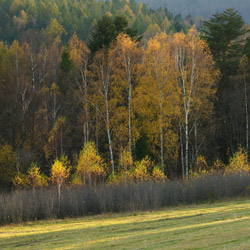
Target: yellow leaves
(158,175)
(54,30)
(126,160)
(151,31)
(218,166)
(156,97)
(90,166)
(59,173)
(238,163)
(140,173)
(79,52)
(20,181)
(21,21)
(243,63)
(126,53)
(146,171)
(165,25)
(55,139)
(143,169)
(34,177)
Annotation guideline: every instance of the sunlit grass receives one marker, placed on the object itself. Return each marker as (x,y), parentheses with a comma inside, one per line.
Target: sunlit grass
(211,226)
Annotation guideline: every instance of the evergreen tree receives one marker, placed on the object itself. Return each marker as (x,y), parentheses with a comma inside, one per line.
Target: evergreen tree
(106,30)
(223,33)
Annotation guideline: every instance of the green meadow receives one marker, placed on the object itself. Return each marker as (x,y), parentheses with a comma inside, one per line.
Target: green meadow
(208,226)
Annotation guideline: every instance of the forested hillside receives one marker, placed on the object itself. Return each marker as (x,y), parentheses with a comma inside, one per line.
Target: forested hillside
(18,18)
(94,91)
(201,7)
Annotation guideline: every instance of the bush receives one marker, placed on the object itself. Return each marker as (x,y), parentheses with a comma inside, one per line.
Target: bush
(35,178)
(27,205)
(91,167)
(238,163)
(158,175)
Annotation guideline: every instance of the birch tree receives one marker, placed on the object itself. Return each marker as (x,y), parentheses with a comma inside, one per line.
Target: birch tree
(160,74)
(102,71)
(195,78)
(127,56)
(80,54)
(156,98)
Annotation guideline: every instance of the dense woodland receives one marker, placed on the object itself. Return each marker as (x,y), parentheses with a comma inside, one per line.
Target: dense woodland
(20,19)
(91,91)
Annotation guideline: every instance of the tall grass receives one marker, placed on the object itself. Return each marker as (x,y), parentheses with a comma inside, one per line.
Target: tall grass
(29,205)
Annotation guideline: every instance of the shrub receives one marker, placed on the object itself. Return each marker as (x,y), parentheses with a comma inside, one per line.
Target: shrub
(238,163)
(20,181)
(35,178)
(91,167)
(27,205)
(158,175)
(126,161)
(218,166)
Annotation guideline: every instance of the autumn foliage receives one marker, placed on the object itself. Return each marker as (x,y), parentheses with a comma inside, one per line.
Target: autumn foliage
(141,109)
(90,167)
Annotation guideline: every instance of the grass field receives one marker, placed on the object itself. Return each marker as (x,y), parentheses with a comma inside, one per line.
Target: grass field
(209,226)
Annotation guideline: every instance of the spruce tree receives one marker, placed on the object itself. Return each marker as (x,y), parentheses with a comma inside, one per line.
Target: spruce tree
(224,35)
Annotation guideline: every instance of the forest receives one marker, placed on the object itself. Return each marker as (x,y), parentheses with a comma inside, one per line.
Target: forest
(94,91)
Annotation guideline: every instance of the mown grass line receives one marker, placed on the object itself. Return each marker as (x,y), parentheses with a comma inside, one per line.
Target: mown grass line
(223,225)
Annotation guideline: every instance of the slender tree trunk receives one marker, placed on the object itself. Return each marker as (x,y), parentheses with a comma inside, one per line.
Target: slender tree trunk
(86,123)
(96,133)
(195,141)
(161,132)
(129,119)
(61,138)
(54,109)
(59,196)
(109,134)
(90,182)
(246,113)
(182,154)
(56,147)
(187,143)
(32,70)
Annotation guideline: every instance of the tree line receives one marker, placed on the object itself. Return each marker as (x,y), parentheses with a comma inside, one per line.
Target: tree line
(20,19)
(153,107)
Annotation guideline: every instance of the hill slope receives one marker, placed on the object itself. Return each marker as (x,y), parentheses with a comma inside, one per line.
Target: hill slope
(202,7)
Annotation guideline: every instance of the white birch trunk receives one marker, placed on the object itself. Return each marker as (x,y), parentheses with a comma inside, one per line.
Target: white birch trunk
(182,154)
(109,135)
(96,133)
(187,143)
(161,131)
(246,113)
